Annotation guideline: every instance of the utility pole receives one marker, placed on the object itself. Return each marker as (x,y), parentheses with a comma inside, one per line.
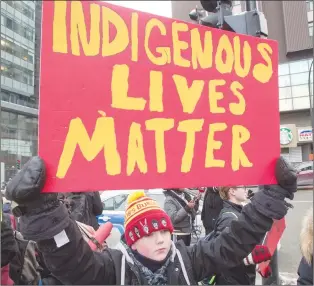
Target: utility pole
(311,108)
(250,5)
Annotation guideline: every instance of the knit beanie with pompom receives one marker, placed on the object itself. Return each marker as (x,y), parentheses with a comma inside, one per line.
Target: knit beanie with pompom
(143,216)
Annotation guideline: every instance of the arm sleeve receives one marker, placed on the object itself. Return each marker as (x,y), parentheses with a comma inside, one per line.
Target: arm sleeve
(74,263)
(228,249)
(9,246)
(175,215)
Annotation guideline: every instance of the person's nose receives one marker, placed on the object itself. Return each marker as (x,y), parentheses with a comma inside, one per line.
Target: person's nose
(159,238)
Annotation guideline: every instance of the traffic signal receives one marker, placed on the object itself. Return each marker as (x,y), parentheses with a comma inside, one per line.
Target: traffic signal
(18,164)
(218,14)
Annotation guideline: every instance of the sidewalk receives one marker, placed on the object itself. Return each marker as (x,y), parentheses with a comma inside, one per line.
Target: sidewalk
(285,279)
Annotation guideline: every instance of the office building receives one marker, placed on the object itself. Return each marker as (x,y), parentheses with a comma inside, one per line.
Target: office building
(291,24)
(19,94)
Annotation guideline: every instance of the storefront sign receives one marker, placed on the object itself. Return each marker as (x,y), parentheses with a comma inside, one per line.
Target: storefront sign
(305,134)
(288,136)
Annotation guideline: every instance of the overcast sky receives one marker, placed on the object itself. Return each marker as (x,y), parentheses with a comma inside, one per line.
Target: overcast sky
(161,8)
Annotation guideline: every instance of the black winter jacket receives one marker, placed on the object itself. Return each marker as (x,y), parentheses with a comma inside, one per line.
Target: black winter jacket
(84,207)
(305,273)
(241,274)
(75,263)
(96,207)
(212,206)
(9,247)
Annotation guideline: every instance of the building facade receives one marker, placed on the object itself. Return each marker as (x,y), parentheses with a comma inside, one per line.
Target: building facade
(291,24)
(19,98)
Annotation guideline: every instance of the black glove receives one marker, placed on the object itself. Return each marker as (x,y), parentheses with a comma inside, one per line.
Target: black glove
(25,188)
(42,215)
(270,201)
(9,246)
(286,177)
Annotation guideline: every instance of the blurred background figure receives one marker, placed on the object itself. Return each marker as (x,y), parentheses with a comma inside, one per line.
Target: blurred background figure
(182,209)
(84,207)
(212,206)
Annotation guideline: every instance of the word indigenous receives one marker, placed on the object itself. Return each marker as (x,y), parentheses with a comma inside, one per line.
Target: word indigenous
(206,52)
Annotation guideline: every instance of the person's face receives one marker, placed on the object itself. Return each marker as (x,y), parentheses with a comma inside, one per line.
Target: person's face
(155,246)
(239,194)
(181,190)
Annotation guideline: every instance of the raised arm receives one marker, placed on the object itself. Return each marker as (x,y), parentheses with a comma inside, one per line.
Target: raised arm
(234,243)
(46,221)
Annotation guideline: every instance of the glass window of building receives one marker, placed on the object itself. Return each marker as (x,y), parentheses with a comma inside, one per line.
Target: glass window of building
(29,101)
(285,92)
(284,81)
(300,90)
(8,23)
(16,72)
(19,140)
(309,5)
(283,69)
(22,7)
(26,32)
(299,67)
(5,95)
(293,84)
(299,78)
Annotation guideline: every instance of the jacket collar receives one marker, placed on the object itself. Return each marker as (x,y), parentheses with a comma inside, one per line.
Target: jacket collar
(232,206)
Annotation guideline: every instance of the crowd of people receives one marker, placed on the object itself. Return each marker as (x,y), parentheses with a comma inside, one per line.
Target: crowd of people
(42,243)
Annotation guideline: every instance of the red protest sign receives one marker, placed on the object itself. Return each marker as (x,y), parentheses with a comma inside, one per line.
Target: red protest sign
(131,100)
(271,240)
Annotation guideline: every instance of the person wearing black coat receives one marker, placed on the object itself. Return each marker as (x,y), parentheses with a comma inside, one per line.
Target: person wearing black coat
(71,260)
(305,270)
(9,248)
(96,207)
(245,273)
(85,207)
(212,206)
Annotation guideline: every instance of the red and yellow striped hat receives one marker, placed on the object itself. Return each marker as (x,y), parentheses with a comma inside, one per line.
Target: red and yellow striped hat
(143,216)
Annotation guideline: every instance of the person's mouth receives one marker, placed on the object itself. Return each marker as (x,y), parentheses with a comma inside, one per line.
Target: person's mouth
(160,250)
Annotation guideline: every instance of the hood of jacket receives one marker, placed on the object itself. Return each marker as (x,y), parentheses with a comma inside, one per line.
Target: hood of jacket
(306,236)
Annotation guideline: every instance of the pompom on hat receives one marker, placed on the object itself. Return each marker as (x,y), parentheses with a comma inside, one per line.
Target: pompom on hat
(143,216)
